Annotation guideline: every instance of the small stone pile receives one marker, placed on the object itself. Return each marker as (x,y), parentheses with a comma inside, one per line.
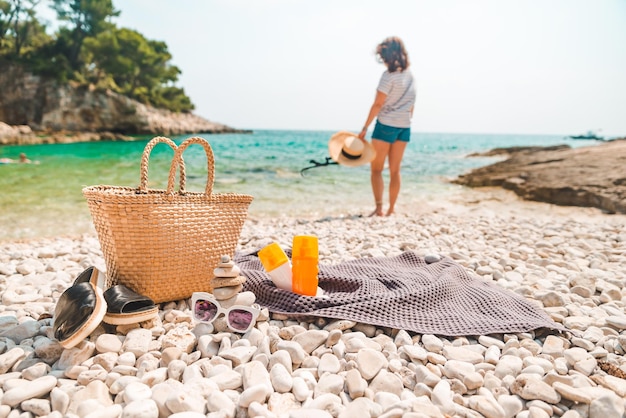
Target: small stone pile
(228,281)
(227,286)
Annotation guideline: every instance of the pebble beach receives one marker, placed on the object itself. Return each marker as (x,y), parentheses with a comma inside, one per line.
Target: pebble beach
(569,261)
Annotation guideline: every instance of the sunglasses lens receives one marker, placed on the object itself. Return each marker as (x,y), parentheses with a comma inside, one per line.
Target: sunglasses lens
(239,319)
(205,310)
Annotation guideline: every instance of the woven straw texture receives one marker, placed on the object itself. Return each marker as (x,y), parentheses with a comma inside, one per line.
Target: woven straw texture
(403,292)
(165,244)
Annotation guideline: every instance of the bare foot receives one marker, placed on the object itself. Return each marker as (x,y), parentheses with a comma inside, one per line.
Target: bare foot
(389,212)
(377,212)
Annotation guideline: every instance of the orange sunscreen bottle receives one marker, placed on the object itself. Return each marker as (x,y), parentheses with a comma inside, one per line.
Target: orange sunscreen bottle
(304,258)
(277,265)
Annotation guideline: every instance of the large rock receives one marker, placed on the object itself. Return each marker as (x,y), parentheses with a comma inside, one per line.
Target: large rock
(47,106)
(20,133)
(593,176)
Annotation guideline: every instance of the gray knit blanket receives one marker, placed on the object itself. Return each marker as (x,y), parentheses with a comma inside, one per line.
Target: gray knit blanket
(402,292)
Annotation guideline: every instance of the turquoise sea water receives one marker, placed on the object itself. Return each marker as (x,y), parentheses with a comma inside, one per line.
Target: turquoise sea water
(45,199)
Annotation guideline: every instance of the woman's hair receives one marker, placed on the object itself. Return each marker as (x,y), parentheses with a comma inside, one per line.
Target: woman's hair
(391,51)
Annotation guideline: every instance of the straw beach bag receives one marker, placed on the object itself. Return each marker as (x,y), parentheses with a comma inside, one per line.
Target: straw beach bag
(165,244)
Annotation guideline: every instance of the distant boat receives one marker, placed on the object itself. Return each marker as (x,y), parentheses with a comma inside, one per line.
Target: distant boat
(588,135)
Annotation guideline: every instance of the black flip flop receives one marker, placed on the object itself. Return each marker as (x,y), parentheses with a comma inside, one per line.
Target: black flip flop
(125,306)
(80,309)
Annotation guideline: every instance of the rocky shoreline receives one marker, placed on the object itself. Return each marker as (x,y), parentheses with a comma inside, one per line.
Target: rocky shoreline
(571,262)
(35,109)
(24,135)
(587,176)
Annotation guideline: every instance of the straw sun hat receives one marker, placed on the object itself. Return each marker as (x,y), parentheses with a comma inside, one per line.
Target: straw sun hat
(347,149)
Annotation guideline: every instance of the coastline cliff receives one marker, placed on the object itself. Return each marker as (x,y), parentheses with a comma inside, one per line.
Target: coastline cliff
(37,110)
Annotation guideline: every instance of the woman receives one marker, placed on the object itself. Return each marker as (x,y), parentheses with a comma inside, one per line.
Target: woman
(393,107)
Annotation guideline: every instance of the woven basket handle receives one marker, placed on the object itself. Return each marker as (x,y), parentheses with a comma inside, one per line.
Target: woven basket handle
(178,160)
(143,183)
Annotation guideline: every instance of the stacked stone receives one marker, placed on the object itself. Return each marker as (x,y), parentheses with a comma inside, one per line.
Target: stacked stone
(227,286)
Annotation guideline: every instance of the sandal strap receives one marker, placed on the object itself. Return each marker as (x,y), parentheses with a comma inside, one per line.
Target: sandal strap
(123,300)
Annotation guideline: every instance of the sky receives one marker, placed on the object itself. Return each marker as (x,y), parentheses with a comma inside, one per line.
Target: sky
(481,66)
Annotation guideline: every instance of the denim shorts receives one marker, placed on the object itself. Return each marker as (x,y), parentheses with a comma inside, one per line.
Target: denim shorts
(391,134)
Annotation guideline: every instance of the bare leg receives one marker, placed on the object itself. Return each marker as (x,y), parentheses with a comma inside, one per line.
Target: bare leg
(377,165)
(396,152)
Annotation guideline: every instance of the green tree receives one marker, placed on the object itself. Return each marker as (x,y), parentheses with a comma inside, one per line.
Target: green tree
(7,14)
(172,98)
(125,61)
(86,18)
(19,28)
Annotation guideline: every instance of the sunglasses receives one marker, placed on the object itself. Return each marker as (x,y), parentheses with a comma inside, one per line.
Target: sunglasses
(207,309)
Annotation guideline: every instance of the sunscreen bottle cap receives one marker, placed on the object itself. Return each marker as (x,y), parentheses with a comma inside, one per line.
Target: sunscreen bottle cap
(305,246)
(272,256)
